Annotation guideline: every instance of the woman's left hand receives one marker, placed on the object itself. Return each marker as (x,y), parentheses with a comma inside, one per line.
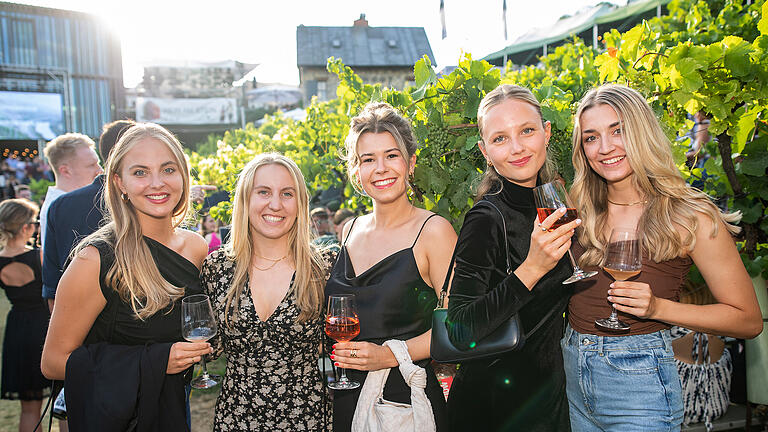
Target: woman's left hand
(635,298)
(363,356)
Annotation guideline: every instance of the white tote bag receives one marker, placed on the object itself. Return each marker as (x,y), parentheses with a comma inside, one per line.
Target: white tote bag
(375,414)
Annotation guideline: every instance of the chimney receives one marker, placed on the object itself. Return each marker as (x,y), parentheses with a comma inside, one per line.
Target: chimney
(361,22)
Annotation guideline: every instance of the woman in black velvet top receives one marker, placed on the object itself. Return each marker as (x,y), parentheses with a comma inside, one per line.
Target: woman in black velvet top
(525,389)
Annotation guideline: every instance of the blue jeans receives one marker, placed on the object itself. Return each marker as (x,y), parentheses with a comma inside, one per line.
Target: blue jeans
(622,383)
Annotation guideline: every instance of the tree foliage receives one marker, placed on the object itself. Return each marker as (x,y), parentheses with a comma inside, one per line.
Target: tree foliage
(703,56)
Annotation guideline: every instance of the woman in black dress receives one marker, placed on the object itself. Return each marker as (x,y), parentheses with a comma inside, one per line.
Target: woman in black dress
(522,390)
(394,260)
(27,322)
(117,318)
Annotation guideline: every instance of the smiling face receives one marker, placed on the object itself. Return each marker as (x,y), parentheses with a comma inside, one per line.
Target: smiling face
(273,204)
(383,169)
(515,141)
(603,143)
(150,178)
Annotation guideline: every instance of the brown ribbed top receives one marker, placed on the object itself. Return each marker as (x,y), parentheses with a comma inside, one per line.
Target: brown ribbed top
(590,302)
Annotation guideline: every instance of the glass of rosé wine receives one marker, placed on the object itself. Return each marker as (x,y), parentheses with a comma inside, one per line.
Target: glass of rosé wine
(342,325)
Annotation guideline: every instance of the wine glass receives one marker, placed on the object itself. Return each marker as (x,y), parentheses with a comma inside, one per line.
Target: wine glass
(198,325)
(342,325)
(622,261)
(549,197)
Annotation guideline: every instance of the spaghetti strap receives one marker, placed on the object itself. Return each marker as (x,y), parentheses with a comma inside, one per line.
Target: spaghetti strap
(350,231)
(421,229)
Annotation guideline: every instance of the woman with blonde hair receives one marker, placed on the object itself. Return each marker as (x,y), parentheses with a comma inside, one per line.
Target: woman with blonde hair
(27,321)
(394,260)
(625,177)
(117,317)
(508,263)
(266,287)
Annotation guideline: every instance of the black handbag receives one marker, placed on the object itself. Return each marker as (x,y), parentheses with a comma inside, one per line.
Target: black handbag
(509,336)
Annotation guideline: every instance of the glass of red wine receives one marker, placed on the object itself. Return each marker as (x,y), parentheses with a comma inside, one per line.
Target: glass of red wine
(552,196)
(199,325)
(622,261)
(342,325)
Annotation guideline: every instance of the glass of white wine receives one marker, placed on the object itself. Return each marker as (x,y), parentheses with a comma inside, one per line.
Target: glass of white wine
(622,260)
(198,325)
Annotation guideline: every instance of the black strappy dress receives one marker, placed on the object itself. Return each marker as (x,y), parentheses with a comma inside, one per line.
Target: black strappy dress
(393,302)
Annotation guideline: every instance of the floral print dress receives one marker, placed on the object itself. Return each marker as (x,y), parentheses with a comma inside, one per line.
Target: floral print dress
(272,381)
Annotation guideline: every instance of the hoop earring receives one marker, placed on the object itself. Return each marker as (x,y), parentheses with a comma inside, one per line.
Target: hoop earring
(124,196)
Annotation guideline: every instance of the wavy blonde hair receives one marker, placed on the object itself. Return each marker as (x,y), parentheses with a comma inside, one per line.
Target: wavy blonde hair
(491,177)
(14,214)
(309,280)
(672,203)
(134,274)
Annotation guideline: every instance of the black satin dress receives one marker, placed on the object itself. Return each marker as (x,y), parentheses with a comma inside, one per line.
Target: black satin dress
(523,390)
(393,302)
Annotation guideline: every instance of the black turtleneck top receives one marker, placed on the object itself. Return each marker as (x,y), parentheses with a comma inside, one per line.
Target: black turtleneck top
(525,389)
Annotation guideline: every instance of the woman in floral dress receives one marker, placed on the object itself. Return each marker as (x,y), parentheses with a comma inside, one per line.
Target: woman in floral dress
(266,288)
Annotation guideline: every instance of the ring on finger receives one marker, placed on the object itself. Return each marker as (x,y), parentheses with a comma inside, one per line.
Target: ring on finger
(543,229)
(353,354)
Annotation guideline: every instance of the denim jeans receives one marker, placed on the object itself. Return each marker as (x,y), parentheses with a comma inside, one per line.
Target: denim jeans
(622,383)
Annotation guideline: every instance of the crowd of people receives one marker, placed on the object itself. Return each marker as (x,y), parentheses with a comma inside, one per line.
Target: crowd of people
(118,261)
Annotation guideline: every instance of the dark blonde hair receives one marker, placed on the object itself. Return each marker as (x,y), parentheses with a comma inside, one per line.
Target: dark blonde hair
(62,148)
(378,117)
(14,214)
(672,202)
(491,179)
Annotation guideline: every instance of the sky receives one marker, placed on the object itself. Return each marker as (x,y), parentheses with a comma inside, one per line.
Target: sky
(264,32)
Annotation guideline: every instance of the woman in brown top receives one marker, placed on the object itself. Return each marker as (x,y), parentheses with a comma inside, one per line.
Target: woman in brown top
(626,178)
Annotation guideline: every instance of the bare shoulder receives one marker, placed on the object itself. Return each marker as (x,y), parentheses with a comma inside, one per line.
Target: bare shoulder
(194,248)
(438,229)
(358,220)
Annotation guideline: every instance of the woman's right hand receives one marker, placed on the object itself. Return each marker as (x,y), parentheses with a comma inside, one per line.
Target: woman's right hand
(546,248)
(185,354)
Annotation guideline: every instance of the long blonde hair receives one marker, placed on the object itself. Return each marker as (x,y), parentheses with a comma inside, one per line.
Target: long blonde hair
(671,202)
(134,274)
(309,281)
(491,179)
(14,214)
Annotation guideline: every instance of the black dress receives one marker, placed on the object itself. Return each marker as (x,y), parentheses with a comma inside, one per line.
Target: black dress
(393,302)
(523,390)
(25,330)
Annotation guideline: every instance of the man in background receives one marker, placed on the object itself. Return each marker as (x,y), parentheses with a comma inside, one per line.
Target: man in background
(75,164)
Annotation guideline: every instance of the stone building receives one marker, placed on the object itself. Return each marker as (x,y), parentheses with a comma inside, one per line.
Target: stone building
(383,55)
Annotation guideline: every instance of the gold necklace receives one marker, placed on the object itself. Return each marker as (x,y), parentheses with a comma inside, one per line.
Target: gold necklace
(274,262)
(628,204)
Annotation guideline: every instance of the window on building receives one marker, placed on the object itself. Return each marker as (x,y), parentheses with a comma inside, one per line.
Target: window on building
(322,90)
(23,48)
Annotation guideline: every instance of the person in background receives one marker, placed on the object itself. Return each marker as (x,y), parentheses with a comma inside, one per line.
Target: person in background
(209,229)
(626,177)
(340,219)
(23,191)
(266,287)
(27,320)
(117,317)
(322,227)
(74,163)
(524,389)
(394,260)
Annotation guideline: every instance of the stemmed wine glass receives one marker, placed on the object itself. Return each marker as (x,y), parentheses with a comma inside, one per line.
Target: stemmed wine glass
(549,197)
(342,325)
(622,261)
(198,325)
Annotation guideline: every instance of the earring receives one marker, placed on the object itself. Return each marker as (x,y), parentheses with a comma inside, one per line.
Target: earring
(490,164)
(124,196)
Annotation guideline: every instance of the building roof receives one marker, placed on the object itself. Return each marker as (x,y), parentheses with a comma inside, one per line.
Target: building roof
(362,45)
(600,14)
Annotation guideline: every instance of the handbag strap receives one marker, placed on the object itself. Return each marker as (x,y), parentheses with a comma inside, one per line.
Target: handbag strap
(444,291)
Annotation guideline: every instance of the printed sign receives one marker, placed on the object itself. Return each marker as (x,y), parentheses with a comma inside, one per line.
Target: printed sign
(29,115)
(186,111)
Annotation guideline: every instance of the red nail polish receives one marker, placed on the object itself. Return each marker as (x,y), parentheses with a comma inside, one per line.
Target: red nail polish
(335,364)
(332,357)
(334,346)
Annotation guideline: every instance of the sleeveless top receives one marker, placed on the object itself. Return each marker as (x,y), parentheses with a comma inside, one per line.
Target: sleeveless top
(118,324)
(27,296)
(590,299)
(393,301)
